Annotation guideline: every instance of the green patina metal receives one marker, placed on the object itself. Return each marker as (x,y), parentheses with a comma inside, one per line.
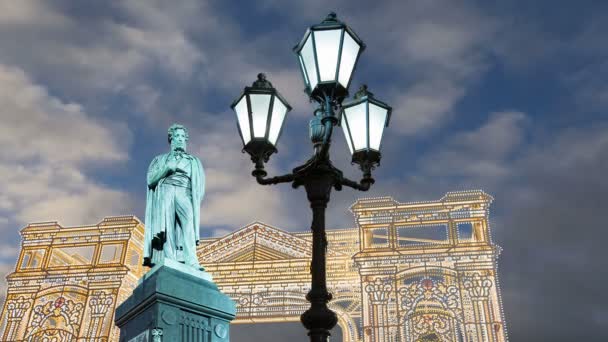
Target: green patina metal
(176,185)
(173,302)
(176,300)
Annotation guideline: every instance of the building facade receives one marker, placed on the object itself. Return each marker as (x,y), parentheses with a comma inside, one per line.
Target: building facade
(68,280)
(407,272)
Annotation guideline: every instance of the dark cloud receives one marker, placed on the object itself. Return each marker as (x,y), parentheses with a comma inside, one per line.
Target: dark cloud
(554,220)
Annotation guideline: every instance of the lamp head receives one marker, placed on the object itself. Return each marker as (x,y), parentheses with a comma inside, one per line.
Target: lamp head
(327,55)
(363,121)
(261,112)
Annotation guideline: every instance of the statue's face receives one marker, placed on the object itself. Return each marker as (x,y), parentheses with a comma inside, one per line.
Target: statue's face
(178,140)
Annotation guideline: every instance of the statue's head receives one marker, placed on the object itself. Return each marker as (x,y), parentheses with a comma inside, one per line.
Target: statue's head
(178,137)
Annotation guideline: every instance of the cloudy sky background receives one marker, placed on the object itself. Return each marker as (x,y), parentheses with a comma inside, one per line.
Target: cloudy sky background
(508,98)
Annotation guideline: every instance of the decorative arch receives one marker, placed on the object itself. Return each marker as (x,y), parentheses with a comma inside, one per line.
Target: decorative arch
(62,289)
(351,331)
(431,307)
(287,306)
(57,314)
(427,270)
(425,322)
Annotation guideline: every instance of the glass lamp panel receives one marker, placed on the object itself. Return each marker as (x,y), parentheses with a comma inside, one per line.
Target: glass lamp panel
(350,49)
(327,44)
(308,56)
(278,116)
(259,113)
(303,70)
(357,122)
(346,134)
(377,121)
(242,116)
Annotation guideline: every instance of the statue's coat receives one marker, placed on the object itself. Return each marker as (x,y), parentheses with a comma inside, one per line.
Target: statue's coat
(155,214)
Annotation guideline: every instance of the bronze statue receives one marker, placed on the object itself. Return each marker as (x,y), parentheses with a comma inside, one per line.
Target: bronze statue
(176,185)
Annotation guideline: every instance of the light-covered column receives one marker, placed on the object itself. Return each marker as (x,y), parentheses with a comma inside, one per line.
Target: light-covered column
(478,288)
(378,293)
(16,309)
(99,303)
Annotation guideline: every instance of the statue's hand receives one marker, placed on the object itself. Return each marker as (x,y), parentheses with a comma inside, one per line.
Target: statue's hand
(171,166)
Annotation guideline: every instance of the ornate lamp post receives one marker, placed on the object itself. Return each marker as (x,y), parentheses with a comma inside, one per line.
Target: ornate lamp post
(327,56)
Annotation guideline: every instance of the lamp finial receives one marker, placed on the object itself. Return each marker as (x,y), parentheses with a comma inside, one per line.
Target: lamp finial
(262,82)
(363,92)
(331,17)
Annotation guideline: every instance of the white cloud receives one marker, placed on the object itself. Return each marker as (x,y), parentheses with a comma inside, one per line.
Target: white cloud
(9,251)
(496,138)
(291,86)
(436,55)
(589,85)
(62,193)
(87,57)
(28,11)
(170,49)
(38,126)
(46,143)
(481,153)
(424,106)
(5,269)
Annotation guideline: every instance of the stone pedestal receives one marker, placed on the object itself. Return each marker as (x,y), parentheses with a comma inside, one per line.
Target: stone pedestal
(173,302)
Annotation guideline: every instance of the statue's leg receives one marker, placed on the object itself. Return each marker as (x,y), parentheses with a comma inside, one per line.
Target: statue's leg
(189,232)
(169,206)
(179,238)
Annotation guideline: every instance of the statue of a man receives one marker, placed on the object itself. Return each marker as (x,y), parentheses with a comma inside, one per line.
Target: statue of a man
(176,185)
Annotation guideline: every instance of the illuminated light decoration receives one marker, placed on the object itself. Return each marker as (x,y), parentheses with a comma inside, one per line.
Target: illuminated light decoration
(432,302)
(68,280)
(437,291)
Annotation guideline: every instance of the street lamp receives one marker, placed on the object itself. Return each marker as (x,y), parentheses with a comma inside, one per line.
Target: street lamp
(327,56)
(363,122)
(260,111)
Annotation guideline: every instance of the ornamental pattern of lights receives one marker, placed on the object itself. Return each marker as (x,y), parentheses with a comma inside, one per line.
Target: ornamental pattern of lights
(409,272)
(68,280)
(413,272)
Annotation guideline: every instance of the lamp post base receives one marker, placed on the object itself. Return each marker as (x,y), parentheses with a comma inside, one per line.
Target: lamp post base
(319,320)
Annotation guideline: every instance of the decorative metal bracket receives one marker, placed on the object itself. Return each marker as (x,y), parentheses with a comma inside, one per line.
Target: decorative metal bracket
(157,334)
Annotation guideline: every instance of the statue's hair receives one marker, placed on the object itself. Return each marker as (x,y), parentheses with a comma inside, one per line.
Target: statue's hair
(173,128)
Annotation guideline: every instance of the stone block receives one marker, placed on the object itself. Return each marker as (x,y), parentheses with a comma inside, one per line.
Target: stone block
(174,302)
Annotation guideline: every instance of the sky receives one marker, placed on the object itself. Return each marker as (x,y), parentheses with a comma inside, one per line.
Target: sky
(509,97)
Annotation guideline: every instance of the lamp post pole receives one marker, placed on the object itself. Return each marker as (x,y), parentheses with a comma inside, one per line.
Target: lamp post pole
(261,109)
(318,176)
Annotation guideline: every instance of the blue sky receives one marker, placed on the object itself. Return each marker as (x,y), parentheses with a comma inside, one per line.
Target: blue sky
(510,98)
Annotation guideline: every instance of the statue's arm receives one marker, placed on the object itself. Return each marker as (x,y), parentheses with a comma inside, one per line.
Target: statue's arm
(156,171)
(202,189)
